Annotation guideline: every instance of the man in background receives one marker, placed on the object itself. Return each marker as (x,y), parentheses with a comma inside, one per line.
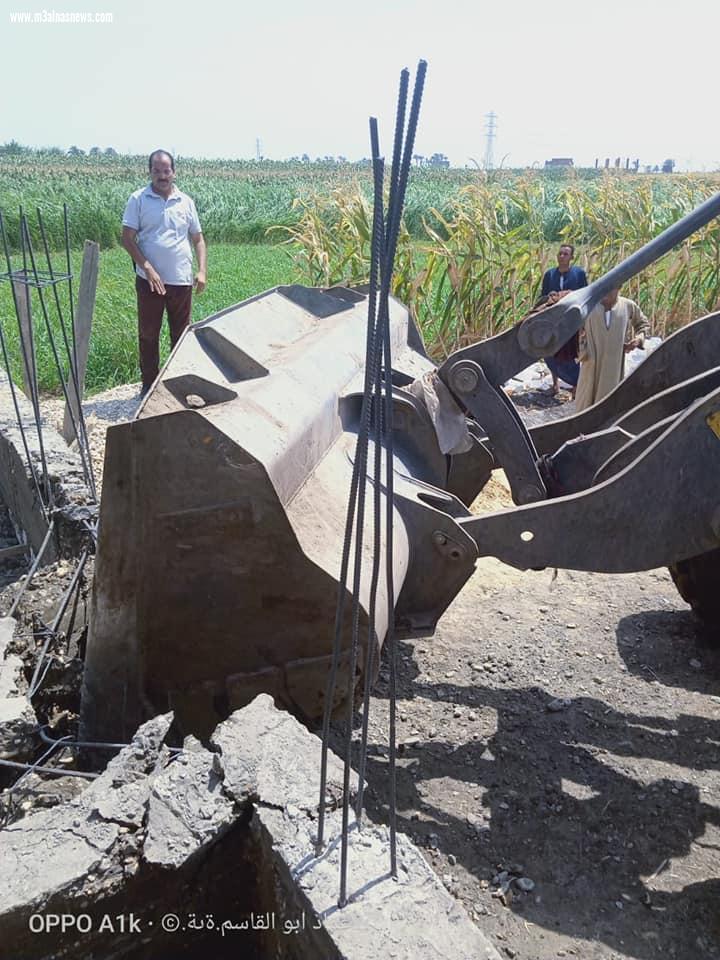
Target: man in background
(555,284)
(613,328)
(159,224)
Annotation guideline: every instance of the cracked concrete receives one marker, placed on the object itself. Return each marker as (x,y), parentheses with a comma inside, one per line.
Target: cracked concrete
(187,809)
(222,834)
(264,755)
(18,723)
(409,918)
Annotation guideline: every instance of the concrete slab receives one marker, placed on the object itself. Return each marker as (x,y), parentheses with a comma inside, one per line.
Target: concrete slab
(266,755)
(410,918)
(142,842)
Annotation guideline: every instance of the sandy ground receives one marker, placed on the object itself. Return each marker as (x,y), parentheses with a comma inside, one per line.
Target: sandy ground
(100,412)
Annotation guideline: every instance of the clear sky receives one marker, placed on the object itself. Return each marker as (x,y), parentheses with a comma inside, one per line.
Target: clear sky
(593,78)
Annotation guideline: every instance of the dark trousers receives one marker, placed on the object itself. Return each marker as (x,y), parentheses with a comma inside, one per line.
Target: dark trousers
(151,306)
(567,370)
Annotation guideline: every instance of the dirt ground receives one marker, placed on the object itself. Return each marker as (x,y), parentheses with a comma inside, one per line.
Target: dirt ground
(559,760)
(567,732)
(559,749)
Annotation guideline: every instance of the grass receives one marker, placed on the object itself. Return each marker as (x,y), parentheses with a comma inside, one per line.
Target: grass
(473,246)
(235,272)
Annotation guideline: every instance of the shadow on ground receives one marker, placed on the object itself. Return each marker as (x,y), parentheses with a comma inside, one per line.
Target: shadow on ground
(654,645)
(584,800)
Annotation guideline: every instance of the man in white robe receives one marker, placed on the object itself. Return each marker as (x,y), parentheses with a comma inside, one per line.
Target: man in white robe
(613,328)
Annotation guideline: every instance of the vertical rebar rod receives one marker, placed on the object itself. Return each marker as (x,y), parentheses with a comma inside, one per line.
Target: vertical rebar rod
(375,416)
(395,213)
(11,384)
(79,424)
(370,348)
(31,363)
(361,460)
(397,149)
(376,253)
(392,235)
(56,355)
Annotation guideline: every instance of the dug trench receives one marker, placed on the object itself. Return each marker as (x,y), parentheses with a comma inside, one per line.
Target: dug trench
(558,762)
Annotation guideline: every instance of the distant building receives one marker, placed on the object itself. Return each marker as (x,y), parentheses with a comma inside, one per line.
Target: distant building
(559,162)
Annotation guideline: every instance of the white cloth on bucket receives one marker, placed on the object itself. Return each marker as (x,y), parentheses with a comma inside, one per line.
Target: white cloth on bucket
(446,416)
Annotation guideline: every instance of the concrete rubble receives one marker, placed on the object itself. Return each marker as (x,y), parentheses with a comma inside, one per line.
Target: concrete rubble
(73,506)
(18,724)
(212,850)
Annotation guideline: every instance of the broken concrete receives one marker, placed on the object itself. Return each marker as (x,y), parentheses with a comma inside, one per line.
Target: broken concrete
(52,852)
(18,723)
(412,917)
(188,808)
(408,918)
(86,860)
(73,503)
(267,757)
(135,860)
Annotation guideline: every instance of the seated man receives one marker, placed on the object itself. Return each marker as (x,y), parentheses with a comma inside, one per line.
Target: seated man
(556,283)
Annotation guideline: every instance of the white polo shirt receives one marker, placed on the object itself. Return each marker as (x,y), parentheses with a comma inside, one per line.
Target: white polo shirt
(163,232)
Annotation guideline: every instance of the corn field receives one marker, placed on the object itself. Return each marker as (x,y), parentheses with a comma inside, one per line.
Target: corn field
(237,201)
(472,249)
(479,265)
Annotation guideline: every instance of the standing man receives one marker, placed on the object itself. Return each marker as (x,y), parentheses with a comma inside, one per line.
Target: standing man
(613,328)
(158,224)
(556,283)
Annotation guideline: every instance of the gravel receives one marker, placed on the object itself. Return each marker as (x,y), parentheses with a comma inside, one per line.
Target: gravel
(101,411)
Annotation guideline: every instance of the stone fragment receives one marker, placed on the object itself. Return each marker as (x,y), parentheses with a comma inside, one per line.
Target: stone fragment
(187,809)
(558,704)
(263,757)
(18,723)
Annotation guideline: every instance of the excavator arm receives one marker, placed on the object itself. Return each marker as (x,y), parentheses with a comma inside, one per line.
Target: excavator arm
(476,373)
(629,484)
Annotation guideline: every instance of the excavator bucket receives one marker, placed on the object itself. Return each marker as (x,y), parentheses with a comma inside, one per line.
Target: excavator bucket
(223,515)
